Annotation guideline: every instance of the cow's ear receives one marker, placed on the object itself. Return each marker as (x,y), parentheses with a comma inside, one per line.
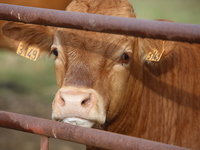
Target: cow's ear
(29,34)
(152,50)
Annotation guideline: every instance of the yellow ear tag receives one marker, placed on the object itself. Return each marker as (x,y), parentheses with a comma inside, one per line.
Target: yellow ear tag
(30,52)
(155,55)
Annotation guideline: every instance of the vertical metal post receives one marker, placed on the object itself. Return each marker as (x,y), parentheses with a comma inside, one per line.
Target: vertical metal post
(44,143)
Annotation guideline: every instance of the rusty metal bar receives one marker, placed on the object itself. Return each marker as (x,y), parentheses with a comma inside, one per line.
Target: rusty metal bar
(101,23)
(78,134)
(44,142)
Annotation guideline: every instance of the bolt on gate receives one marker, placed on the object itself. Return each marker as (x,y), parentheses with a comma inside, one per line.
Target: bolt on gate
(98,23)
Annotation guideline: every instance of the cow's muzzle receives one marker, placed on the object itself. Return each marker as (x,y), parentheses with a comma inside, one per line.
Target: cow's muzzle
(78,106)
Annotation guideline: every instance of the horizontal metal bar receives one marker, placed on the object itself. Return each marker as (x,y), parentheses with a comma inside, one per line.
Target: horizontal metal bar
(101,23)
(78,134)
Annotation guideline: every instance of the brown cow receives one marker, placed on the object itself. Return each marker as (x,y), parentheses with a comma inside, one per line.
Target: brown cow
(53,4)
(116,82)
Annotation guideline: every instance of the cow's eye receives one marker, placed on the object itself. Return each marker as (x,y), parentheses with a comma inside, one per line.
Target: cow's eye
(55,51)
(125,58)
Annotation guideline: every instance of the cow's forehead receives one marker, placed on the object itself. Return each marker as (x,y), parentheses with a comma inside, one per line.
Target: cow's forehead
(101,43)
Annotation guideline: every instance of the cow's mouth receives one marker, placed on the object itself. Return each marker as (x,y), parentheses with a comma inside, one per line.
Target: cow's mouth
(78,121)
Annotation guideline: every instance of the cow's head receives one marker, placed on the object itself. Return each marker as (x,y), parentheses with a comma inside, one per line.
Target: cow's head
(95,72)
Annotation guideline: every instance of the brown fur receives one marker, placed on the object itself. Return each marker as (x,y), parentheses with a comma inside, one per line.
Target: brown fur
(158,101)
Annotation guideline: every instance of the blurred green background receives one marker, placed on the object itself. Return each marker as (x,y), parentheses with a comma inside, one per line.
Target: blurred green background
(183,11)
(28,87)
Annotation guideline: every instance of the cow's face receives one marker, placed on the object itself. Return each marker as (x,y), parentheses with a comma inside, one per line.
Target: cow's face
(92,72)
(96,72)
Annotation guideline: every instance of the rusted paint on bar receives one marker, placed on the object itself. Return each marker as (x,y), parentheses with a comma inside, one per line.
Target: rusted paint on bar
(101,23)
(78,134)
(44,142)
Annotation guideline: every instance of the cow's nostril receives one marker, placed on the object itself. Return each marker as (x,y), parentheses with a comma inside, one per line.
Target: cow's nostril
(85,101)
(62,99)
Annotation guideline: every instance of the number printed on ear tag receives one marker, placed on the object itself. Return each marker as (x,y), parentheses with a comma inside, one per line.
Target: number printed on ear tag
(154,56)
(30,52)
